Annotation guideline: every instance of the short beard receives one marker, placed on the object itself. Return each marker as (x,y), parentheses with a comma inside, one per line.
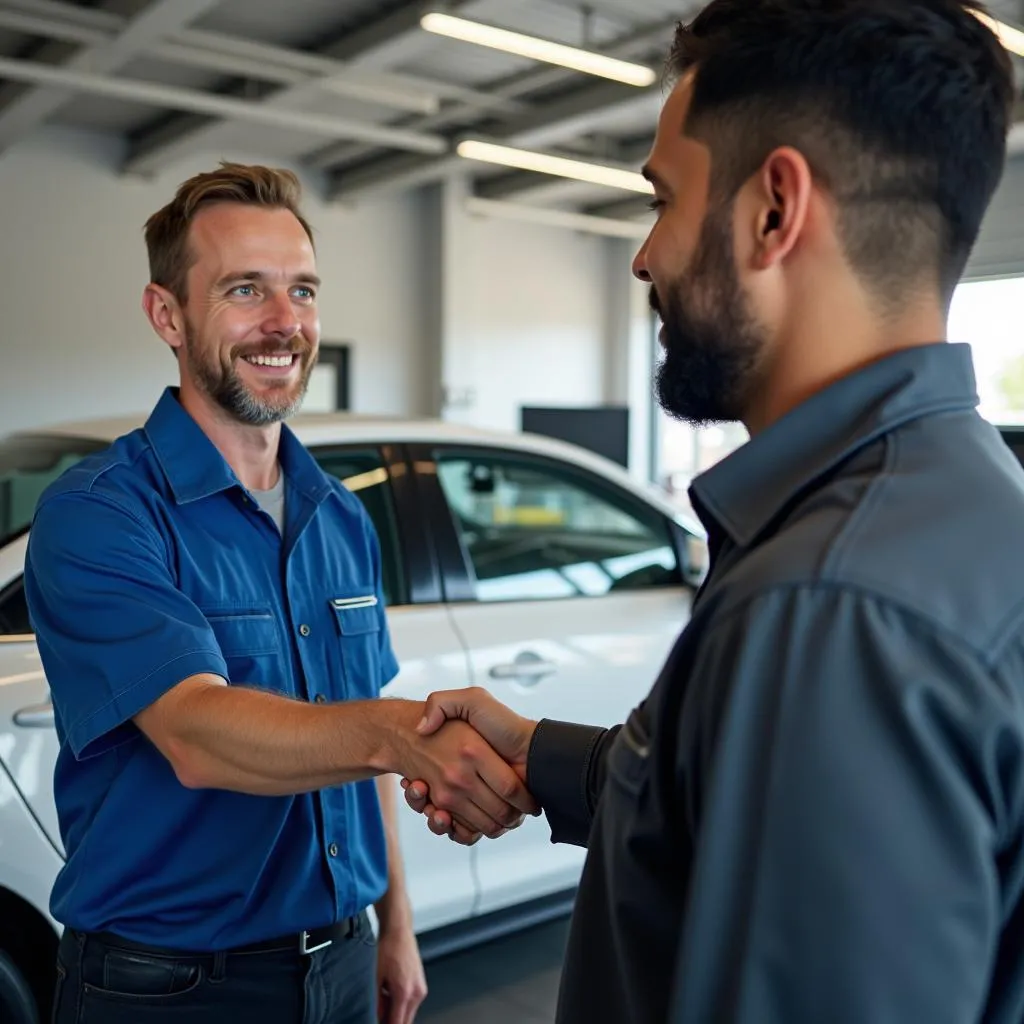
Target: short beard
(227,389)
(712,342)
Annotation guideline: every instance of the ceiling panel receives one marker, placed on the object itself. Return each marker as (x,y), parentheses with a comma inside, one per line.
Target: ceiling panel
(301,23)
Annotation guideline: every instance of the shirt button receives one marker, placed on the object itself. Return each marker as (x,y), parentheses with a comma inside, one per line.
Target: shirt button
(304,630)
(333,849)
(320,699)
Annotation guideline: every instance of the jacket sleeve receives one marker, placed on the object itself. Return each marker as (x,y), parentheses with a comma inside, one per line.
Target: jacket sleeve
(566,774)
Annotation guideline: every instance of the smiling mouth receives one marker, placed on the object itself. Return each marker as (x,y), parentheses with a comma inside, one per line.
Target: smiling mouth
(277,361)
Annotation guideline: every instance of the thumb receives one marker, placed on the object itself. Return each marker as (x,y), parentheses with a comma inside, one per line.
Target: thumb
(434,716)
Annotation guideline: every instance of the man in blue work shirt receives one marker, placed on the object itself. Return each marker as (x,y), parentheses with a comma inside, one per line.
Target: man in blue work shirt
(216,703)
(817,814)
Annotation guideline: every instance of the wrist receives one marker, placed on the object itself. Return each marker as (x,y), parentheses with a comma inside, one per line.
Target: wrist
(528,728)
(396,722)
(394,914)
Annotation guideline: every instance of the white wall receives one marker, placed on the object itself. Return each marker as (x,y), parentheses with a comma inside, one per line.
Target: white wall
(73,265)
(523,317)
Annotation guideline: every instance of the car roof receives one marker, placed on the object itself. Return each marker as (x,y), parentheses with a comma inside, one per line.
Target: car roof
(320,429)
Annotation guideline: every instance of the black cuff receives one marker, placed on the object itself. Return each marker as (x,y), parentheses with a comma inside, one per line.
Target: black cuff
(558,774)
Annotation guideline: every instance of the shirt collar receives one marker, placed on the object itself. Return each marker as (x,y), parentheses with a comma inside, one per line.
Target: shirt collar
(195,468)
(746,491)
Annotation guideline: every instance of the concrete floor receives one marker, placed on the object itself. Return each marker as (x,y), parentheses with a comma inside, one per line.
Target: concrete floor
(509,981)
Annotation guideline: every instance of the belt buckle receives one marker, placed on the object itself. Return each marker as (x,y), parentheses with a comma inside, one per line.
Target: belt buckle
(306,949)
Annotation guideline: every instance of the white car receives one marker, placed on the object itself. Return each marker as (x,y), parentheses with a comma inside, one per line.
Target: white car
(514,562)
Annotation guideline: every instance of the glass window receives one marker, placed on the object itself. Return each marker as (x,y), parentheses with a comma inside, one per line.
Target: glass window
(365,475)
(28,465)
(987,315)
(14,611)
(536,531)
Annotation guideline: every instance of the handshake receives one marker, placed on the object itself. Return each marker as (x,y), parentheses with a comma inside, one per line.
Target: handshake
(465,766)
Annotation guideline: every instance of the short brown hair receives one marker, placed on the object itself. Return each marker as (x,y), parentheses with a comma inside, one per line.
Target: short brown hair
(167,230)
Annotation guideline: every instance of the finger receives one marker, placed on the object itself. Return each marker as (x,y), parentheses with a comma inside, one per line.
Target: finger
(505,787)
(464,836)
(439,822)
(402,1009)
(417,796)
(472,807)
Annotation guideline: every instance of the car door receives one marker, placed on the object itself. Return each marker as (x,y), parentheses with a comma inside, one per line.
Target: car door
(430,657)
(28,740)
(572,598)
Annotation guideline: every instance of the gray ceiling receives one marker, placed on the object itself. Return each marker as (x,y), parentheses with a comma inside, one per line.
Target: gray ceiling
(352,88)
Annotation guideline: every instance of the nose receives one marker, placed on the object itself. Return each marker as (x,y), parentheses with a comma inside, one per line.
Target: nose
(640,264)
(282,318)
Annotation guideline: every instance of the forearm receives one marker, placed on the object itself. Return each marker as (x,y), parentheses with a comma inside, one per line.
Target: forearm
(393,908)
(251,741)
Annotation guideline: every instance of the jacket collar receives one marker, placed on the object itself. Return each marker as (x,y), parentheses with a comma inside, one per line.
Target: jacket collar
(745,492)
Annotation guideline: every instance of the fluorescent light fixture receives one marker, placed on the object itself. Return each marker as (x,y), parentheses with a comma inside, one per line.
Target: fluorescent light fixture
(1012,38)
(538,49)
(561,167)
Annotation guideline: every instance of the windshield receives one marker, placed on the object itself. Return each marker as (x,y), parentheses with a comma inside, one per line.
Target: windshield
(28,465)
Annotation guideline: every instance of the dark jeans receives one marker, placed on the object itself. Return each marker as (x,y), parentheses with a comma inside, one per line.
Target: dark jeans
(100,983)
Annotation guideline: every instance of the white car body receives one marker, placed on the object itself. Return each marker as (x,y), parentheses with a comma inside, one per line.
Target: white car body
(599,655)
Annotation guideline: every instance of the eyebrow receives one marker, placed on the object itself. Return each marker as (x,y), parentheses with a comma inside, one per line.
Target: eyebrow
(654,178)
(256,276)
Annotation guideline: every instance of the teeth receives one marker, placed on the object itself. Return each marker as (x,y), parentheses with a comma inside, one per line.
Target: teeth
(269,360)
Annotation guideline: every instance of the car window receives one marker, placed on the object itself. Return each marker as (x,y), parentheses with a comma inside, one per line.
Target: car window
(28,465)
(366,476)
(14,610)
(535,530)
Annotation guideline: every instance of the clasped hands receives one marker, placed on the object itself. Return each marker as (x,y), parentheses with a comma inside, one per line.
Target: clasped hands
(477,788)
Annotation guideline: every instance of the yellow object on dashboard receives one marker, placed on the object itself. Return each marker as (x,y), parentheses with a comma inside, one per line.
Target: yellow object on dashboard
(529,515)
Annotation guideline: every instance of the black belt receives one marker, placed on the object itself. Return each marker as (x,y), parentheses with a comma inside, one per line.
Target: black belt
(304,943)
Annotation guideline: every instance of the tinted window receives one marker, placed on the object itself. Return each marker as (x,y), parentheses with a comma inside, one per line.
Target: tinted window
(28,465)
(365,475)
(1015,440)
(534,530)
(14,611)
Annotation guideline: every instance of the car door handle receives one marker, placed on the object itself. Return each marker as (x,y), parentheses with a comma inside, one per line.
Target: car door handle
(528,668)
(38,716)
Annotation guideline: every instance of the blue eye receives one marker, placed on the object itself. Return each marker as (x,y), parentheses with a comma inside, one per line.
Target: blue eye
(303,292)
(243,290)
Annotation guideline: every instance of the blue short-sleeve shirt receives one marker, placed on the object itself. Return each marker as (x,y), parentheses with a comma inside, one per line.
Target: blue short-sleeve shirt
(149,563)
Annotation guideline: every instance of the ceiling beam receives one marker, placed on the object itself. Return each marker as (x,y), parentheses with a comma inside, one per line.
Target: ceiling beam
(58,19)
(630,208)
(582,110)
(383,177)
(514,89)
(155,21)
(554,218)
(199,102)
(167,142)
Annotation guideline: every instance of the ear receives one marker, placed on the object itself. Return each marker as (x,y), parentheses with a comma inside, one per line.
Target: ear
(784,188)
(165,314)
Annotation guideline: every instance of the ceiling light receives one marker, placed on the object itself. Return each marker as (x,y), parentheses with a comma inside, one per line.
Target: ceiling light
(562,167)
(1012,38)
(538,49)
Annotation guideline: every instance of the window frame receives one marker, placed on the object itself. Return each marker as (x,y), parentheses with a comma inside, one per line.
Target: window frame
(457,571)
(417,565)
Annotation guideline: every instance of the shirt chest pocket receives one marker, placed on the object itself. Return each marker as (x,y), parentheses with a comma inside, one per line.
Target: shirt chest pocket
(251,644)
(358,621)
